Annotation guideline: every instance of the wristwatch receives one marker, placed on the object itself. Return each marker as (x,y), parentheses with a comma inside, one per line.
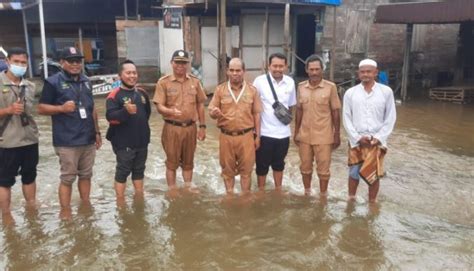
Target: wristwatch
(202,126)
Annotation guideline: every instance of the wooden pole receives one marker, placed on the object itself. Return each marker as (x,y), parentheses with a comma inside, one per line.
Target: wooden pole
(125,9)
(218,54)
(222,41)
(81,48)
(286,31)
(406,61)
(265,41)
(333,47)
(137,9)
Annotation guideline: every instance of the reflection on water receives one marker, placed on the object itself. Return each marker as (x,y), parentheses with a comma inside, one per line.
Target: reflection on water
(424,219)
(360,239)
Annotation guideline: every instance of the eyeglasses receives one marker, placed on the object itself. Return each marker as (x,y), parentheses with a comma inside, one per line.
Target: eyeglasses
(74,61)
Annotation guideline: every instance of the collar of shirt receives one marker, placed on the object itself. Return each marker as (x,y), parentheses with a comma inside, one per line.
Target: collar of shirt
(284,80)
(320,85)
(67,78)
(237,89)
(173,77)
(374,88)
(7,82)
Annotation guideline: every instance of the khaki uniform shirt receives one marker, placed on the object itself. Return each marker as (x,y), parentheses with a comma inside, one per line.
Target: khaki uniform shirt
(316,103)
(236,116)
(182,95)
(16,135)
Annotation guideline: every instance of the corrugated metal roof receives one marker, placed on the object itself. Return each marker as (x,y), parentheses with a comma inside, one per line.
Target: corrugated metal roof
(319,2)
(315,3)
(451,11)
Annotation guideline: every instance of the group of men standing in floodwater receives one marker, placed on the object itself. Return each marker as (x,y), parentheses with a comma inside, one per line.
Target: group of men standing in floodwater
(253,119)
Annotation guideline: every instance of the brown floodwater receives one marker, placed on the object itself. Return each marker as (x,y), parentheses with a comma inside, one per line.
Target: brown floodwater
(424,219)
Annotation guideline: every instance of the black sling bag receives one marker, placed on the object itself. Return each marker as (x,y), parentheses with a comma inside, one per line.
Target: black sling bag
(282,113)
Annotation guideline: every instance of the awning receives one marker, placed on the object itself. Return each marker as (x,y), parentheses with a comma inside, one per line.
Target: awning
(450,11)
(16,5)
(270,2)
(13,5)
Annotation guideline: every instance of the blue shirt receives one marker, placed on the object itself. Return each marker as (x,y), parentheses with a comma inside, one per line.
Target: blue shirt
(69,129)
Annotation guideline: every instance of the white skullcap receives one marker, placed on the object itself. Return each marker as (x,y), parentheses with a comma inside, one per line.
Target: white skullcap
(368,62)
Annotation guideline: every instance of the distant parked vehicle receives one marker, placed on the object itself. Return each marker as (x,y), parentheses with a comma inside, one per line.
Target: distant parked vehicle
(103,84)
(53,67)
(3,65)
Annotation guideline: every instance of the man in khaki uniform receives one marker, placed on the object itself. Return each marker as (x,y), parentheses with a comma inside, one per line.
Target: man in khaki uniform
(317,124)
(236,106)
(180,98)
(18,132)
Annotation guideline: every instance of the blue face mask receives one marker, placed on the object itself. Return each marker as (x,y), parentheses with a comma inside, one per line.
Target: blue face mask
(18,71)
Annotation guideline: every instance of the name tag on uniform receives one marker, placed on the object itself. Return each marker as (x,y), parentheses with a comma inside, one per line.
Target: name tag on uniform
(65,85)
(82,112)
(172,91)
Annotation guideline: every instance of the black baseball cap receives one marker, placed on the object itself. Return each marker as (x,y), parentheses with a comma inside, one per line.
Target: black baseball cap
(71,52)
(180,55)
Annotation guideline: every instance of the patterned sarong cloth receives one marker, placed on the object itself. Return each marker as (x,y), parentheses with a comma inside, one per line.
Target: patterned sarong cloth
(371,159)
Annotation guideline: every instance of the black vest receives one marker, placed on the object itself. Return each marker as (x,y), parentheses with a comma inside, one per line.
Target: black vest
(69,129)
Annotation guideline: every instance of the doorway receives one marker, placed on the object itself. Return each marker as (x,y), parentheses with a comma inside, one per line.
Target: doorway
(305,40)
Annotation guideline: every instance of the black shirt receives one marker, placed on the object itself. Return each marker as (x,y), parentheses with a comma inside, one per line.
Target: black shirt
(126,130)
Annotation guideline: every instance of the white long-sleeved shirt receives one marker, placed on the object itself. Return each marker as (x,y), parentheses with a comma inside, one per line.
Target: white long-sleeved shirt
(369,114)
(286,93)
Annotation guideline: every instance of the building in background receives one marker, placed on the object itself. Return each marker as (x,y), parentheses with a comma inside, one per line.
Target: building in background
(67,22)
(148,31)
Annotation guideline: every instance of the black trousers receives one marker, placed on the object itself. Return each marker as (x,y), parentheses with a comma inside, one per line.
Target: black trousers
(130,161)
(272,152)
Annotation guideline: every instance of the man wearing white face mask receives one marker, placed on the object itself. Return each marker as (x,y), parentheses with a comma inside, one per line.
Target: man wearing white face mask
(18,132)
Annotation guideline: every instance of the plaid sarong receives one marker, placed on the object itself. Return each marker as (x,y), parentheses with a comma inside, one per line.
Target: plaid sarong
(371,158)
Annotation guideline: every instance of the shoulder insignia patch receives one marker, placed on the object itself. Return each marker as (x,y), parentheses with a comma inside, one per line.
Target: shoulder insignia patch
(164,77)
(303,82)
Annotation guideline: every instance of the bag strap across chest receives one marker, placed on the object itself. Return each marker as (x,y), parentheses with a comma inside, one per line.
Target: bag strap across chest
(272,88)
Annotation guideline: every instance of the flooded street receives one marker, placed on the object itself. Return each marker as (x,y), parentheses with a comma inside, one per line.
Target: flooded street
(424,219)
